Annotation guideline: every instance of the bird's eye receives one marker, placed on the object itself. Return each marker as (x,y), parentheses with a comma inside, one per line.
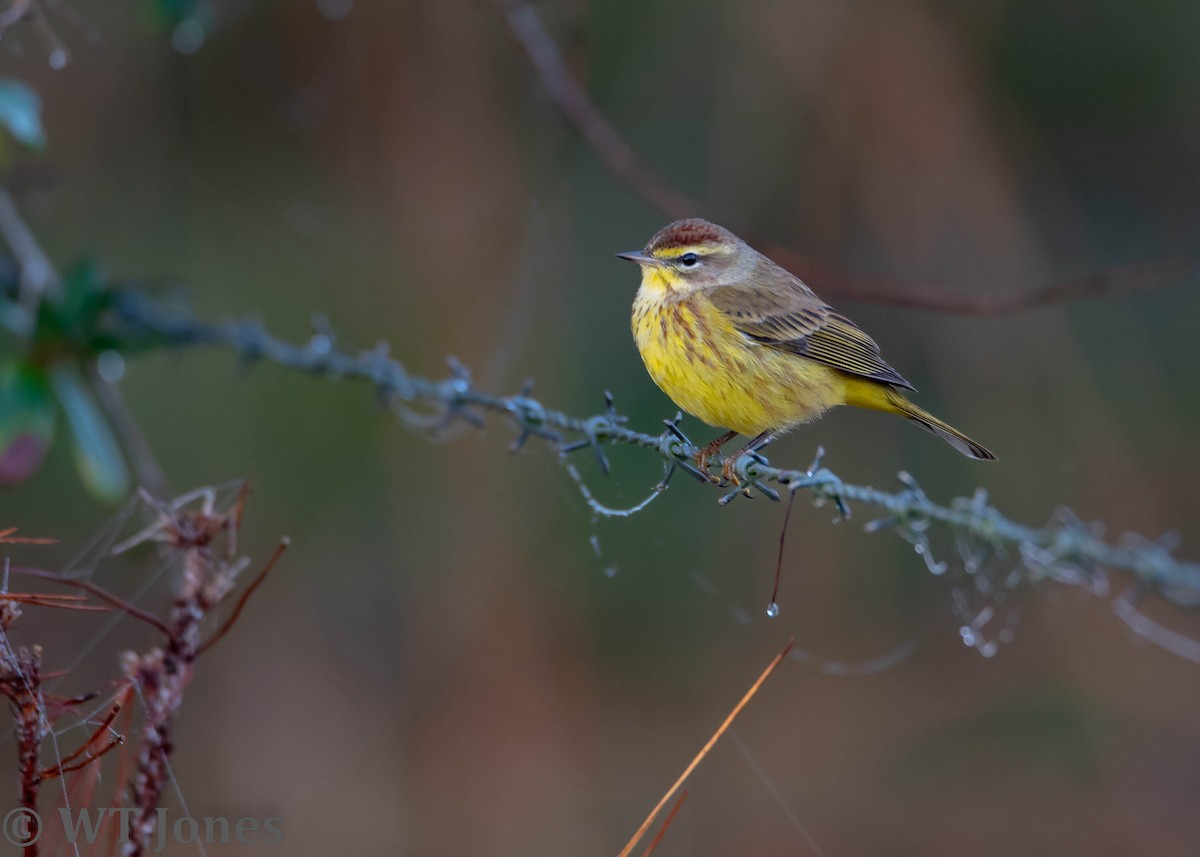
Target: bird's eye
(689,260)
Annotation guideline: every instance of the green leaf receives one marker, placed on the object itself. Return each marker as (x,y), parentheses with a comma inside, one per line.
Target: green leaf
(27,419)
(85,295)
(21,113)
(98,458)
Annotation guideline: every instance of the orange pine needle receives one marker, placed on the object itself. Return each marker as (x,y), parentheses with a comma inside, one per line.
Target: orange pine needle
(7,538)
(42,599)
(737,709)
(662,831)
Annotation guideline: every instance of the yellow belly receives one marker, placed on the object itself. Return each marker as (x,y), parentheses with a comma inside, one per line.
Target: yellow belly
(714,372)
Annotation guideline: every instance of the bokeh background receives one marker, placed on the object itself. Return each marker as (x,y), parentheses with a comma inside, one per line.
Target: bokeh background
(455,658)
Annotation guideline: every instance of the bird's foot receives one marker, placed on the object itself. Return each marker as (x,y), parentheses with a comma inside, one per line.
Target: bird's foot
(732,464)
(729,469)
(706,452)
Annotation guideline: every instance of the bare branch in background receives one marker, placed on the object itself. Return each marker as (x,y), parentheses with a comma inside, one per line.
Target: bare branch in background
(623,162)
(31,12)
(609,146)
(1129,279)
(17,9)
(38,277)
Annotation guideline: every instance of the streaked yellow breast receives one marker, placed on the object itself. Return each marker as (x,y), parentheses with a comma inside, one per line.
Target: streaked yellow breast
(716,373)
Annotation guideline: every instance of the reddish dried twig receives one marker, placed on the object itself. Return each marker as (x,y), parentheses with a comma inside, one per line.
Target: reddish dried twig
(21,682)
(98,591)
(161,676)
(192,528)
(641,831)
(245,596)
(68,764)
(624,163)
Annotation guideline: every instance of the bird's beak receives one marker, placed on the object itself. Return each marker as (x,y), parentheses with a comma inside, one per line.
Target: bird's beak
(639,257)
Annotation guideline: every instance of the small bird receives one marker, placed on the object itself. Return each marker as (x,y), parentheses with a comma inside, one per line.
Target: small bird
(739,342)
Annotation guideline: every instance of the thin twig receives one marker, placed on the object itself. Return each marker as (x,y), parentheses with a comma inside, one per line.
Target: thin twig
(622,161)
(68,764)
(98,591)
(63,602)
(59,770)
(147,470)
(38,278)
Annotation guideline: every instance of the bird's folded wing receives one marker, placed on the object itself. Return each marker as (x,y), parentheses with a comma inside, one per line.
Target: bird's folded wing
(796,321)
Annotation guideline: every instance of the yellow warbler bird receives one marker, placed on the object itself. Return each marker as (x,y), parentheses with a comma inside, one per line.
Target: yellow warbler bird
(739,342)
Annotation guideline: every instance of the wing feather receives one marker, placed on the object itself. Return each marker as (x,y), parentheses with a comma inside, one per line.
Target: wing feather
(783,313)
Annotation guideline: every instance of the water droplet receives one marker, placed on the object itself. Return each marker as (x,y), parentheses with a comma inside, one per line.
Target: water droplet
(188,36)
(967,634)
(919,548)
(594,541)
(988,649)
(1006,635)
(610,571)
(58,59)
(111,366)
(335,10)
(320,344)
(772,610)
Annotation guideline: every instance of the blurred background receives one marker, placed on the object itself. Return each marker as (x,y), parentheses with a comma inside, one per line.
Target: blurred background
(455,658)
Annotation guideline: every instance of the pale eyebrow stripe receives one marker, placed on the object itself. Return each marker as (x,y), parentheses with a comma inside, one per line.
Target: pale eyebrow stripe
(676,252)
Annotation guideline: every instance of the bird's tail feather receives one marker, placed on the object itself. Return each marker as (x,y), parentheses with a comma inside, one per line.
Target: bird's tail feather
(870,394)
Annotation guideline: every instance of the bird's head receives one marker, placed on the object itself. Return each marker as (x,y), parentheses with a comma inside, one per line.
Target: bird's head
(692,254)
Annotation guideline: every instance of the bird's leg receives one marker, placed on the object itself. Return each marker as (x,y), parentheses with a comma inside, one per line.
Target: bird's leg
(728,469)
(704,454)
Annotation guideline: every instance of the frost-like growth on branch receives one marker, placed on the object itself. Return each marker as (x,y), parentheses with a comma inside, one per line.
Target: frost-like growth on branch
(983,554)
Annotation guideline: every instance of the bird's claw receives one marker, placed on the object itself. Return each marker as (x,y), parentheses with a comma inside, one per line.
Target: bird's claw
(729,474)
(702,456)
(734,470)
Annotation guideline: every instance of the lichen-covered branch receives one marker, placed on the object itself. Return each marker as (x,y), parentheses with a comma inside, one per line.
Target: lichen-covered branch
(996,553)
